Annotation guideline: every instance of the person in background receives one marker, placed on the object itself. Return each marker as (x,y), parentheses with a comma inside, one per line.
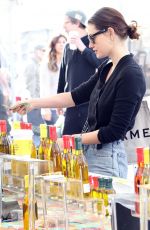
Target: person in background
(77,67)
(114,94)
(32,80)
(49,75)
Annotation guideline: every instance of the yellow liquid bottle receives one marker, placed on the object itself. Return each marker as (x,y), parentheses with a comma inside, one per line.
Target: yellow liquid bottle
(5,147)
(26,206)
(66,156)
(81,168)
(43,139)
(54,153)
(146,171)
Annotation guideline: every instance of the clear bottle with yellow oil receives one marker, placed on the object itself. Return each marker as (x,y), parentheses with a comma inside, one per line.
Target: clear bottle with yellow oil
(146,171)
(81,169)
(43,140)
(26,216)
(66,156)
(5,147)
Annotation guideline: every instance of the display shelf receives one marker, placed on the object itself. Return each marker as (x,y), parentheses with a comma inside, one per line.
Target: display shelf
(12,178)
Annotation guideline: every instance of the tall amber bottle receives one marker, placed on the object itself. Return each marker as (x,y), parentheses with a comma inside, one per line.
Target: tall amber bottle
(26,206)
(43,139)
(54,153)
(5,147)
(66,156)
(139,179)
(139,172)
(81,168)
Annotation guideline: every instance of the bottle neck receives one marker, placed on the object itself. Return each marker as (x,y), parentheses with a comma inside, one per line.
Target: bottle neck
(3,134)
(140,164)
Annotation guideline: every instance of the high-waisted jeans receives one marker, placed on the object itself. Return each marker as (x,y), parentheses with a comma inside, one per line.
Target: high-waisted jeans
(109,160)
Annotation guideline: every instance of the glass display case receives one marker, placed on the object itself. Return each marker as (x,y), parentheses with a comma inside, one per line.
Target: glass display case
(17,188)
(43,200)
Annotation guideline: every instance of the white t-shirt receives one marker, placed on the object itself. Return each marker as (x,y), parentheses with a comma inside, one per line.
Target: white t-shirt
(48,82)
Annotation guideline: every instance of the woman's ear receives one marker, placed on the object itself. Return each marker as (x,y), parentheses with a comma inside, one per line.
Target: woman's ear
(111,33)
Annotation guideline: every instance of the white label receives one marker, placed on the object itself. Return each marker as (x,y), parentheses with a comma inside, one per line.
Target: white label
(86,188)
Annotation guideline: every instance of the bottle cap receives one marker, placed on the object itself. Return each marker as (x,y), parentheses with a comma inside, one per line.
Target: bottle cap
(22,125)
(78,143)
(43,130)
(66,141)
(146,155)
(18,98)
(3,126)
(95,179)
(140,155)
(72,142)
(52,133)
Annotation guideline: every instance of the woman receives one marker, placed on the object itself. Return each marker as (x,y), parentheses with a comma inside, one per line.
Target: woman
(114,93)
(49,75)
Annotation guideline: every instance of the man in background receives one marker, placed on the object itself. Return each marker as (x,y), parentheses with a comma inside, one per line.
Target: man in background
(78,65)
(32,79)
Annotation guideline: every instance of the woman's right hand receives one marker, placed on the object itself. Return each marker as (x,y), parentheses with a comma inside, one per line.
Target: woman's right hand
(22,107)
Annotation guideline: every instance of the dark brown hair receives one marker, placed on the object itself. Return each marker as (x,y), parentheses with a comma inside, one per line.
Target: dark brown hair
(52,56)
(109,17)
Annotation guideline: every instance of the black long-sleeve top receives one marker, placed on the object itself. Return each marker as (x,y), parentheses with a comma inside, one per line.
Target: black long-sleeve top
(113,105)
(77,67)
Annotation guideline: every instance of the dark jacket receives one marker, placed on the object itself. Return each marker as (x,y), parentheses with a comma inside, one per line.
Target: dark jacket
(76,68)
(113,105)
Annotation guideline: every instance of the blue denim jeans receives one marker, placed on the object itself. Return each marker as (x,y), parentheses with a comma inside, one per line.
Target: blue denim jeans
(109,160)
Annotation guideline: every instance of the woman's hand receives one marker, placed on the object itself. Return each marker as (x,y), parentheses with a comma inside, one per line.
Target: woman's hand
(22,107)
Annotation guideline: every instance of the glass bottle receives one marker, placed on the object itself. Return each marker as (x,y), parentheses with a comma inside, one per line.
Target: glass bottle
(100,200)
(146,171)
(33,149)
(54,153)
(26,206)
(65,156)
(5,147)
(43,138)
(139,172)
(81,167)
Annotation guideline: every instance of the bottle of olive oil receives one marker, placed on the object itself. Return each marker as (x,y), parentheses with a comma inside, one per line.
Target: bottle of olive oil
(5,147)
(81,168)
(43,139)
(66,156)
(26,216)
(54,153)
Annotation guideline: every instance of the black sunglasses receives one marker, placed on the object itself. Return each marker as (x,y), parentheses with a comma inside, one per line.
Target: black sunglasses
(93,36)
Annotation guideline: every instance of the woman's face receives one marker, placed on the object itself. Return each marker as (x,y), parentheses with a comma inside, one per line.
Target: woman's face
(100,41)
(60,45)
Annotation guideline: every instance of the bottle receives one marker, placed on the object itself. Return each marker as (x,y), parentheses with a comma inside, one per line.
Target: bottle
(139,172)
(95,187)
(5,147)
(146,170)
(43,149)
(66,156)
(81,168)
(26,206)
(100,199)
(108,190)
(43,138)
(33,150)
(54,153)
